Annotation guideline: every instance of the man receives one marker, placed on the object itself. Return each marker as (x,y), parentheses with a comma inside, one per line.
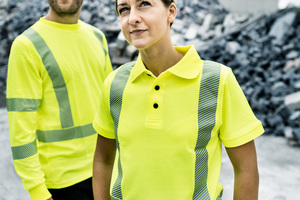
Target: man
(55,74)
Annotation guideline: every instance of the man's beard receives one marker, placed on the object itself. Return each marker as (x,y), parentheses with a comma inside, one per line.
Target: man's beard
(73,9)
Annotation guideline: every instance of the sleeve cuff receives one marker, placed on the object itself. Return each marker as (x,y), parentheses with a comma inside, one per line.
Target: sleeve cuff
(256,132)
(102,132)
(40,193)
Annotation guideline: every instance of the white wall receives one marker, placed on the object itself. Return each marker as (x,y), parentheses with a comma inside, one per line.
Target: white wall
(250,6)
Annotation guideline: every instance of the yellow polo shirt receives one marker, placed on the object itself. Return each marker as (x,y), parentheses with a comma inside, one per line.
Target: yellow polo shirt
(169,129)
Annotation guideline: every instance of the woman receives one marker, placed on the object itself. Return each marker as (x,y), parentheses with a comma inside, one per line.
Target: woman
(168,114)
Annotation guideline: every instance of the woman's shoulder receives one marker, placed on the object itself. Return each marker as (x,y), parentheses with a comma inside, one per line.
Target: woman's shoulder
(122,71)
(216,66)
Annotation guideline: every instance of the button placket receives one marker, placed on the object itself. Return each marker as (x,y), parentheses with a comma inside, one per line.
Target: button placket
(155,108)
(156,88)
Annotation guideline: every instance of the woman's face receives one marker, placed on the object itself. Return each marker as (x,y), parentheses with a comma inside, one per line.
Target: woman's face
(145,23)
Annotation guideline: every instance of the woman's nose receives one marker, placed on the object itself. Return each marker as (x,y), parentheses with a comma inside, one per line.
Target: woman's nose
(134,17)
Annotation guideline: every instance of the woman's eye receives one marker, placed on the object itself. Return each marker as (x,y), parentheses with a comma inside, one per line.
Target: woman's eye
(122,10)
(145,3)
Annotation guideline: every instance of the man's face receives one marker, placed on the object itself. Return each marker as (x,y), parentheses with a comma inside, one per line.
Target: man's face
(65,7)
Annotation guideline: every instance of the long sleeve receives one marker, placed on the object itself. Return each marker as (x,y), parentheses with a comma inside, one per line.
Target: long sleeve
(24,93)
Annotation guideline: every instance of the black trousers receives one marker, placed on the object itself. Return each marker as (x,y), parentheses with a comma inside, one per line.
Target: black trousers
(81,191)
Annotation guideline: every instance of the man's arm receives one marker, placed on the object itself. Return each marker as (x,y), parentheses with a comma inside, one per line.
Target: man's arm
(24,95)
(244,162)
(103,166)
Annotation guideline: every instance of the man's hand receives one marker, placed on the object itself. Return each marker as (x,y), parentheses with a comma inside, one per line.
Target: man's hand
(50,198)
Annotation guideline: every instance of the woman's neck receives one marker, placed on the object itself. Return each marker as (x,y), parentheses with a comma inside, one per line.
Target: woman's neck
(158,60)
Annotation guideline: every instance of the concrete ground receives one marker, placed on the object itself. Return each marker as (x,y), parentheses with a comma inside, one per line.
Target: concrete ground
(279,170)
(279,166)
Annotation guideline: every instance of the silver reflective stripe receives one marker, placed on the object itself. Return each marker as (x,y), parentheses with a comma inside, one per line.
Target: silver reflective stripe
(219,197)
(65,134)
(22,105)
(99,37)
(55,75)
(207,107)
(24,151)
(116,96)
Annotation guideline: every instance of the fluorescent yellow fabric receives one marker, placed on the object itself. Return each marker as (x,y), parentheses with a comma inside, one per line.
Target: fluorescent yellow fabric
(37,94)
(157,145)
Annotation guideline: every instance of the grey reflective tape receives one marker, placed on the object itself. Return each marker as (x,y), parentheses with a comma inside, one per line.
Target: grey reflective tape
(99,36)
(65,134)
(219,197)
(55,75)
(207,107)
(24,151)
(22,105)
(113,198)
(116,97)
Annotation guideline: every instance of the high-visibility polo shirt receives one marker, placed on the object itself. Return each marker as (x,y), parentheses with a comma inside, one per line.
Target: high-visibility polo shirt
(170,129)
(55,77)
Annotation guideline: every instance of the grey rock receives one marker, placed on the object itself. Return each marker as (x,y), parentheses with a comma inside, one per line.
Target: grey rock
(191,32)
(288,132)
(282,26)
(292,55)
(131,51)
(292,101)
(278,89)
(86,15)
(274,120)
(121,41)
(296,132)
(232,47)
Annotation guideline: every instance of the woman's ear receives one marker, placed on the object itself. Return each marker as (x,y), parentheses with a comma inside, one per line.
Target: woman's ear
(172,13)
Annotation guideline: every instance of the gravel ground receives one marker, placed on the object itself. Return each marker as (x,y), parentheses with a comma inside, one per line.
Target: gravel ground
(279,167)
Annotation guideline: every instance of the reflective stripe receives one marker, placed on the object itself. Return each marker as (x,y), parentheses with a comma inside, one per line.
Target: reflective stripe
(99,36)
(65,134)
(24,151)
(207,107)
(219,197)
(22,105)
(55,75)
(116,96)
(113,198)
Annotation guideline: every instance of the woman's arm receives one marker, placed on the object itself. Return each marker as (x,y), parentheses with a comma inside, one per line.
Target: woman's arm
(103,165)
(246,178)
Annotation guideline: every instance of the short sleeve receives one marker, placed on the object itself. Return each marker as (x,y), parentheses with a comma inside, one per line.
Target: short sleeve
(103,122)
(239,124)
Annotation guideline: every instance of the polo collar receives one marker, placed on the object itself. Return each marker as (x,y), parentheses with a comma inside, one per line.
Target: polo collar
(138,69)
(189,67)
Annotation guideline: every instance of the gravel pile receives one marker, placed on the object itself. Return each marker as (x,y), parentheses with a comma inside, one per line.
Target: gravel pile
(263,50)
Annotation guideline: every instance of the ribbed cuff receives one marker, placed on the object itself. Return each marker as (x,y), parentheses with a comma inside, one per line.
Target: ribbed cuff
(40,193)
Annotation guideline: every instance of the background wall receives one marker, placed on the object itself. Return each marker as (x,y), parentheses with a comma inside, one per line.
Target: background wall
(250,6)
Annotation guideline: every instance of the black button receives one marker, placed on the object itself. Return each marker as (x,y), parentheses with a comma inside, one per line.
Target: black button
(157,87)
(155,105)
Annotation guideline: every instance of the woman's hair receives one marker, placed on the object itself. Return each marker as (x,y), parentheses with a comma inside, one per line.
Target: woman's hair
(166,2)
